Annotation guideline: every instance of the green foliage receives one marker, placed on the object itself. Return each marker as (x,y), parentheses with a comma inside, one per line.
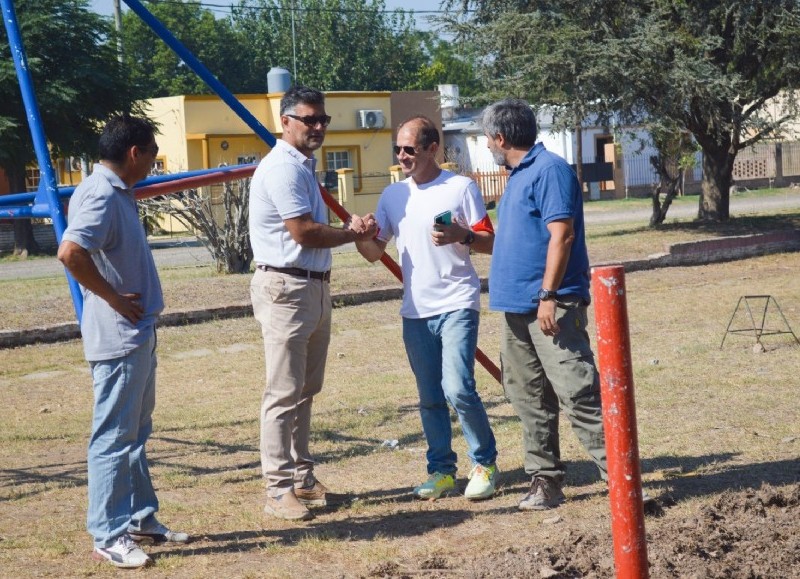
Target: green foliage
(450,64)
(707,68)
(158,70)
(336,45)
(76,76)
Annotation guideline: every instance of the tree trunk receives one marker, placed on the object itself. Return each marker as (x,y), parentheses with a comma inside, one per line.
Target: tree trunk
(717,179)
(24,242)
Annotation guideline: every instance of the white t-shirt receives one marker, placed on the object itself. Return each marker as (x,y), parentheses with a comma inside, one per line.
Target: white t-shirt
(283,187)
(436,280)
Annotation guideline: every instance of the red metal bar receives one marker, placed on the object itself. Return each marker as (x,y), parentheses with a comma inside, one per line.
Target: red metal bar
(393,267)
(221,176)
(619,421)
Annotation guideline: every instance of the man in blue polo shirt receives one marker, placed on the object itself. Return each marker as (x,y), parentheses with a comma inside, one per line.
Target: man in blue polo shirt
(539,278)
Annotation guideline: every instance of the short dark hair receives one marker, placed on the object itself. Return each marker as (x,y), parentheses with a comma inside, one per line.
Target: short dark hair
(428,133)
(512,118)
(300,94)
(123,132)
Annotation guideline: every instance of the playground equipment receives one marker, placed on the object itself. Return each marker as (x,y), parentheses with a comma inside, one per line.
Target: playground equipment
(46,202)
(616,378)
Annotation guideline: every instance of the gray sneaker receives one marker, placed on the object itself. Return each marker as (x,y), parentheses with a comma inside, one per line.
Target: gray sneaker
(158,534)
(545,494)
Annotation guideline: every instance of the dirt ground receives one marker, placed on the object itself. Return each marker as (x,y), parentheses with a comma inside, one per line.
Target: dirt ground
(719,438)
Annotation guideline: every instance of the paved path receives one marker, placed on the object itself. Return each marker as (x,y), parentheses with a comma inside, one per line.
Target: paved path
(187,251)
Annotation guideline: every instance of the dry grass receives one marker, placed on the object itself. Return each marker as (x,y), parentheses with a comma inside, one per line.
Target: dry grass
(709,420)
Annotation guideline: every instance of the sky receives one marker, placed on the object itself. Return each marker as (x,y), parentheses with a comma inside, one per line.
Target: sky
(423,6)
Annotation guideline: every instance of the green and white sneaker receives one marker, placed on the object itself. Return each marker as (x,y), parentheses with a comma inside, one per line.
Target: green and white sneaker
(437,484)
(481,482)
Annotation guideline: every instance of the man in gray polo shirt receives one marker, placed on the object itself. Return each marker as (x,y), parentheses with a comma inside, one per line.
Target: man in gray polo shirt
(105,249)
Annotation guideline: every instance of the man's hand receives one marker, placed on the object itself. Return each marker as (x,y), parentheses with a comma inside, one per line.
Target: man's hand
(546,314)
(364,227)
(447,234)
(128,306)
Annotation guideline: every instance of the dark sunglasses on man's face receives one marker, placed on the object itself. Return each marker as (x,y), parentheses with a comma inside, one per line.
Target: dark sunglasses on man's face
(312,121)
(407,149)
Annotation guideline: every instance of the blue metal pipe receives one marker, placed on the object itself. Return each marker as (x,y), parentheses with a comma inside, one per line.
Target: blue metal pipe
(63,192)
(48,189)
(201,71)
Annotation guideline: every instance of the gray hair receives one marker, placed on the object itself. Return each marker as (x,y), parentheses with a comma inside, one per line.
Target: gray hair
(512,118)
(300,94)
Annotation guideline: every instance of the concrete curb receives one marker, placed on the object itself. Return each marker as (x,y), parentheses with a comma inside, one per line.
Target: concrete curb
(676,255)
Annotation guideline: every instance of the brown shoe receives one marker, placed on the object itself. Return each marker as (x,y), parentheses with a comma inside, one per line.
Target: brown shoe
(315,496)
(286,506)
(545,494)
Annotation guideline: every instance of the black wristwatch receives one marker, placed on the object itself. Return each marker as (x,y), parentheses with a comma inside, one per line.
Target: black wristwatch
(468,239)
(545,295)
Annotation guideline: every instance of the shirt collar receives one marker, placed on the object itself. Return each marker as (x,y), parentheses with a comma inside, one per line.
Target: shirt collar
(529,157)
(112,177)
(287,148)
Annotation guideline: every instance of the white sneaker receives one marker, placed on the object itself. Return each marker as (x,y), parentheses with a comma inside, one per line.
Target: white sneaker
(481,482)
(123,553)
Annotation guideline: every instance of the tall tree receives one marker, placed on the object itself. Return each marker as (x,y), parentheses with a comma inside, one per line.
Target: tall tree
(160,72)
(78,83)
(707,68)
(333,44)
(450,63)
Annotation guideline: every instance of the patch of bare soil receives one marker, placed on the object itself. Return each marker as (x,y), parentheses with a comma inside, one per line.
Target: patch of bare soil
(748,534)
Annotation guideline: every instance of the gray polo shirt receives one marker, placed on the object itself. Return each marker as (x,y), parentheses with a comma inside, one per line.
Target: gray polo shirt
(283,187)
(103,220)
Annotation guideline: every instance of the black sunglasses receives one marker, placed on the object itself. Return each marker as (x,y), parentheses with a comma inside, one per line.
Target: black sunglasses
(312,121)
(407,149)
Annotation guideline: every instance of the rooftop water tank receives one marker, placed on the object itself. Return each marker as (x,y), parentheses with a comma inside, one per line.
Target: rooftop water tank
(278,80)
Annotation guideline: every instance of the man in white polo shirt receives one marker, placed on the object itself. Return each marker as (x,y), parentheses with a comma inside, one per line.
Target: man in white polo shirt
(291,298)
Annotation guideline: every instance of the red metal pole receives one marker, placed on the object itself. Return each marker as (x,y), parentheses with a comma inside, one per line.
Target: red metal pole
(393,267)
(619,421)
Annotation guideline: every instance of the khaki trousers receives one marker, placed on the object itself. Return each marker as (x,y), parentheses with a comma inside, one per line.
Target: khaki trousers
(295,318)
(542,373)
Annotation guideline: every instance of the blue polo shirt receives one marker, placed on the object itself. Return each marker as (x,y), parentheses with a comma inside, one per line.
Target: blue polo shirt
(543,188)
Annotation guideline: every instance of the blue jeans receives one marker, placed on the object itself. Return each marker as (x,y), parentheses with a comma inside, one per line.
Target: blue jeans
(441,350)
(121,495)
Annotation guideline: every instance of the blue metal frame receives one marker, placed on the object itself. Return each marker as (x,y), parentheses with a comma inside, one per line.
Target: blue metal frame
(46,202)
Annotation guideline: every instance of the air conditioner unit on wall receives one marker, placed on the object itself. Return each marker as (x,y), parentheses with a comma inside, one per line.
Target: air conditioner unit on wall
(370,119)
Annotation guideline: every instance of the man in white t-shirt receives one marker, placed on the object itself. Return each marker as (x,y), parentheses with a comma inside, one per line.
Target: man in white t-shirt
(435,217)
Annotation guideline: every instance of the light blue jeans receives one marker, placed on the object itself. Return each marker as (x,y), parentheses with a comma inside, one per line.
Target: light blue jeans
(441,350)
(121,495)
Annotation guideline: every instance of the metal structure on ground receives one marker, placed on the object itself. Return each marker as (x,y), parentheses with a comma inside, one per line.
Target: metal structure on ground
(47,201)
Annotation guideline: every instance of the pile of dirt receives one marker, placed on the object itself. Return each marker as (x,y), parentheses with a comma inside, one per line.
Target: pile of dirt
(744,534)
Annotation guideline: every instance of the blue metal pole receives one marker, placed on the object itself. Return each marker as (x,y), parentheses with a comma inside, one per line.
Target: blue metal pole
(201,71)
(23,198)
(48,189)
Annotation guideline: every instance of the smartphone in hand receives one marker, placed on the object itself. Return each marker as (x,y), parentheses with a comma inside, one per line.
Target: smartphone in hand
(444,218)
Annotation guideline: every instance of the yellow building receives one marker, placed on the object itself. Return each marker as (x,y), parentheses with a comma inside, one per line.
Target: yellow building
(202,132)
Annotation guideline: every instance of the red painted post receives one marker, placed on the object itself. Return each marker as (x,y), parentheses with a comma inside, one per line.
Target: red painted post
(619,421)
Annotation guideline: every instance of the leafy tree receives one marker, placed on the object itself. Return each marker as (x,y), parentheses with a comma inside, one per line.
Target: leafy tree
(451,63)
(78,83)
(705,68)
(336,44)
(160,72)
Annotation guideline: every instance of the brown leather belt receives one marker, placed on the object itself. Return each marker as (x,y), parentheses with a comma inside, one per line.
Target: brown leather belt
(298,272)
